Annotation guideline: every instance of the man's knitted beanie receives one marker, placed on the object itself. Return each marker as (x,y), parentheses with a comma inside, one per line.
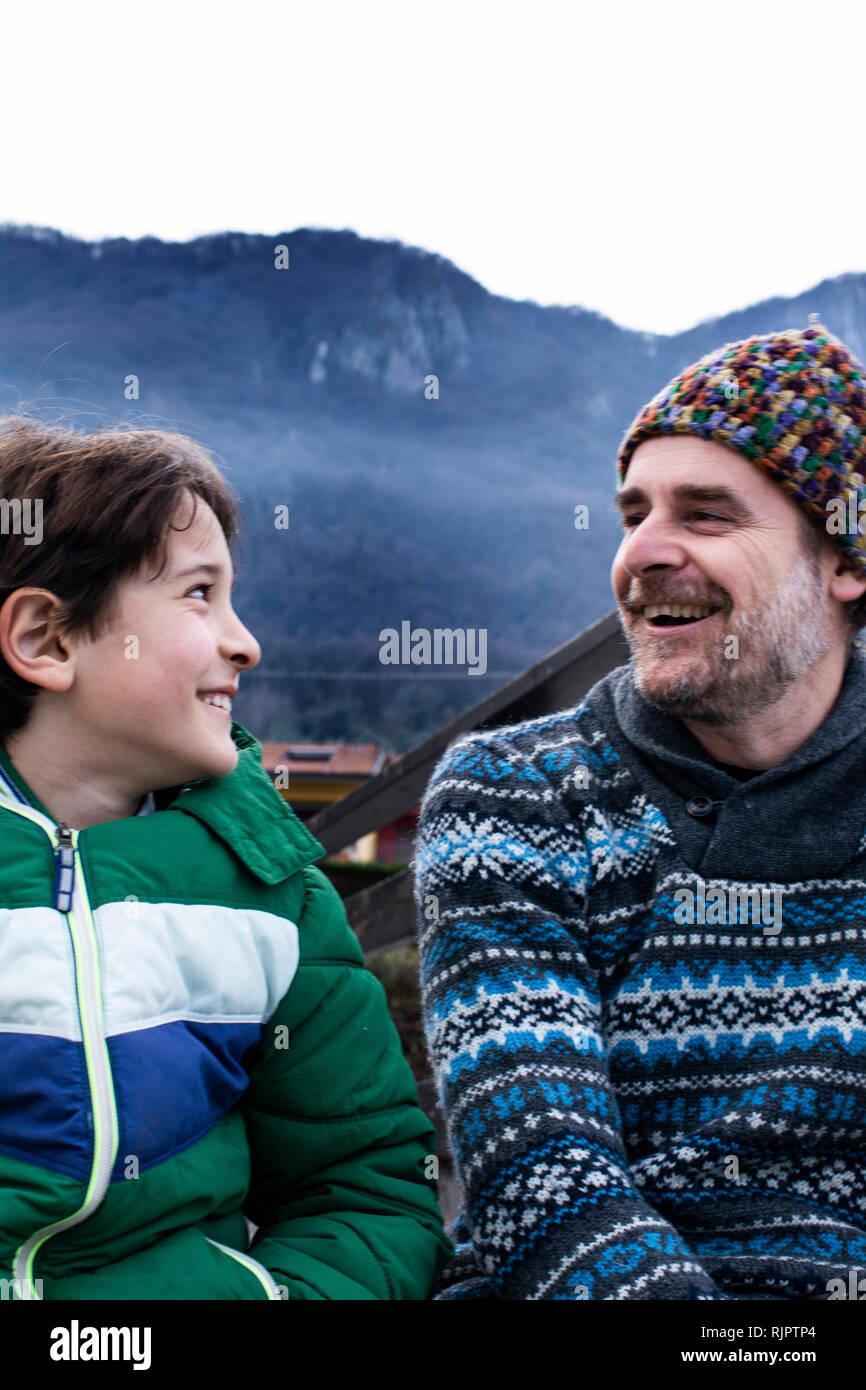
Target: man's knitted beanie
(794,402)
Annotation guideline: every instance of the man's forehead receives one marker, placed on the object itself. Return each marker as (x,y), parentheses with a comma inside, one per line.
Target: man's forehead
(675,460)
(685,448)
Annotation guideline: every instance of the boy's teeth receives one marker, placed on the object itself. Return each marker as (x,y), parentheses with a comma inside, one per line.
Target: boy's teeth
(222,701)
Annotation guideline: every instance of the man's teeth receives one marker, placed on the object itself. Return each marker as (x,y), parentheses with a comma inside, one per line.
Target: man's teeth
(677,610)
(223,701)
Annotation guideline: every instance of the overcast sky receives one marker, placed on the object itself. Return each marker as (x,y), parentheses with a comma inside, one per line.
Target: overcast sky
(663,163)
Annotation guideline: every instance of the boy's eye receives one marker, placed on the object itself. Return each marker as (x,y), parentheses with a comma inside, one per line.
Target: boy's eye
(205,588)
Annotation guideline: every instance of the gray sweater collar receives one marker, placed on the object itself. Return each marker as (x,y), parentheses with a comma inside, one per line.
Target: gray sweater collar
(803,818)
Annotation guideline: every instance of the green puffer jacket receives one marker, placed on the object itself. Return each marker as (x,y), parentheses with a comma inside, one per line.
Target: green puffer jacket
(188,1037)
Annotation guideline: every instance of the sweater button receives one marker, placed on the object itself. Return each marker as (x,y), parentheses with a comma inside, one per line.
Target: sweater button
(699,806)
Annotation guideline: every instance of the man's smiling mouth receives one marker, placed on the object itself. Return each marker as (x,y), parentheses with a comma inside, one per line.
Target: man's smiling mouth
(672,617)
(664,616)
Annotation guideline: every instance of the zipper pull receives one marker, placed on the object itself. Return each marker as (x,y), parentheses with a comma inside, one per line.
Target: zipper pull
(64,874)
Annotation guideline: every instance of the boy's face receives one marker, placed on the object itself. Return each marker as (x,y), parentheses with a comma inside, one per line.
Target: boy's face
(136,699)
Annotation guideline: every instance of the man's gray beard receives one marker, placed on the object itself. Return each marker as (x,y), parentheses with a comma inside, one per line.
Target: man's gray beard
(778,642)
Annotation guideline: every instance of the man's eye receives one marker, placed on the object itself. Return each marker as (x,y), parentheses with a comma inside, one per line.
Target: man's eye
(629,522)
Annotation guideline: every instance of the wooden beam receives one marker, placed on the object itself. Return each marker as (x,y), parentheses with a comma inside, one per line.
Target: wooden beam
(556,682)
(383,916)
(429,1103)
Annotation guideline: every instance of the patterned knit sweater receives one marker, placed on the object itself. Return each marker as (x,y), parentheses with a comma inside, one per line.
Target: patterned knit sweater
(641,1109)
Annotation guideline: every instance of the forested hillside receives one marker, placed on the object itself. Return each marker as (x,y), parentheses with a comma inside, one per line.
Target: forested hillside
(311,384)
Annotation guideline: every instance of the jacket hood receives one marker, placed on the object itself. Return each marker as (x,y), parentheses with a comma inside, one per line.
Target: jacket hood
(243,809)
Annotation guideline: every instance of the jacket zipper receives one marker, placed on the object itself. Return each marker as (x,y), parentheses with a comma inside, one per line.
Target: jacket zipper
(264,1276)
(70,898)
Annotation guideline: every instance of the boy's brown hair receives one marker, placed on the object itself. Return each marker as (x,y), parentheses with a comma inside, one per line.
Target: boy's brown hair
(108,500)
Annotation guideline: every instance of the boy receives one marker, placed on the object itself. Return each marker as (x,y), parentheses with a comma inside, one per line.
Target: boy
(187,1032)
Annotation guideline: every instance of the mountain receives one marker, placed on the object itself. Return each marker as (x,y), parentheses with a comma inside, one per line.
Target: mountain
(310,384)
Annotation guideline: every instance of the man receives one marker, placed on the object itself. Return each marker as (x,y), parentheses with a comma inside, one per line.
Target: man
(643,920)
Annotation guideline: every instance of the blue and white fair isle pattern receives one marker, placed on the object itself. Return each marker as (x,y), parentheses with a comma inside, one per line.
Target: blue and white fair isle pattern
(637,1109)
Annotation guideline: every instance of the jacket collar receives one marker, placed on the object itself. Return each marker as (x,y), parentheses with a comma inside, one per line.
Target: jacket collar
(252,818)
(243,809)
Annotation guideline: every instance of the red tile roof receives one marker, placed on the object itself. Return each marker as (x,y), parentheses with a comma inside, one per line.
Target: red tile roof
(325,759)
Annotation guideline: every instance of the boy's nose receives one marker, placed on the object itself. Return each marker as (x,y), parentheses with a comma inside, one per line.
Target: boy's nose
(242,648)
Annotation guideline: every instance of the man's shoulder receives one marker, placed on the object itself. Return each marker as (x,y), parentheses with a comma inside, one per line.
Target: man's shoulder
(593,713)
(548,748)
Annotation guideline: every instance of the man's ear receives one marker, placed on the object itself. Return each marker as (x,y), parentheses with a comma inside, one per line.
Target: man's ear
(29,639)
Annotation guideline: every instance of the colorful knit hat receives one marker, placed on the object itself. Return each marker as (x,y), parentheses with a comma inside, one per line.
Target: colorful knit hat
(794,402)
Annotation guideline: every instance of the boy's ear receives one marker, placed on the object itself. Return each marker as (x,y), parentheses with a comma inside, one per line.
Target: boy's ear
(29,639)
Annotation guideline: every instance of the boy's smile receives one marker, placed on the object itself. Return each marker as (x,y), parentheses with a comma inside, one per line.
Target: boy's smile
(147,705)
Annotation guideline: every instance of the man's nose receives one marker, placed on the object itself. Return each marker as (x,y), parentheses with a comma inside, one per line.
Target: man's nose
(653,543)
